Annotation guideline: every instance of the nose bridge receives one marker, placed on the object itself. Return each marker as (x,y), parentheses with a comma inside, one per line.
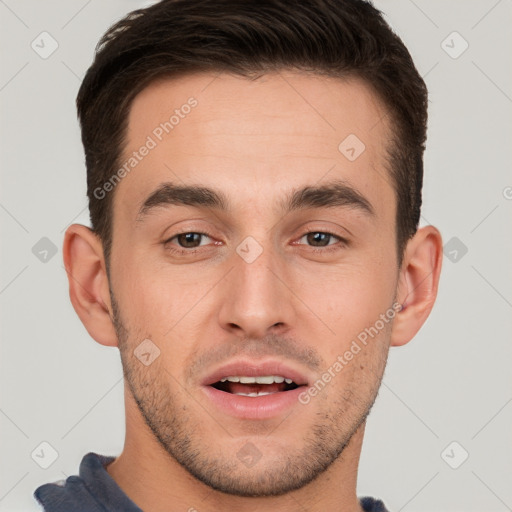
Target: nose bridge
(256,299)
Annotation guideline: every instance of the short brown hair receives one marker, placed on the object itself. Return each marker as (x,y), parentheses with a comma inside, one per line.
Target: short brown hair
(336,38)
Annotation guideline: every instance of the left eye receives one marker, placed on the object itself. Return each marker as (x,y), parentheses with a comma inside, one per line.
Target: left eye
(189,240)
(319,238)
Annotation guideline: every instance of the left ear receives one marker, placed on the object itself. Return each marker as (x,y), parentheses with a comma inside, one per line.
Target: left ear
(418,283)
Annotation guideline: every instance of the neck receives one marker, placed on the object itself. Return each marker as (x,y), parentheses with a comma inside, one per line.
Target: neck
(155,482)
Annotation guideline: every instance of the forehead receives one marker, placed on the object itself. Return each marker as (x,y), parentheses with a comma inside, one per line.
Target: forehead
(255,138)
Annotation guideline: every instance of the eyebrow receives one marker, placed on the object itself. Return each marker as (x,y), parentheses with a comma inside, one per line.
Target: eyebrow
(191,195)
(331,195)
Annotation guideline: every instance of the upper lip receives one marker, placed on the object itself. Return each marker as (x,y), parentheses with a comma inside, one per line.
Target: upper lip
(254,369)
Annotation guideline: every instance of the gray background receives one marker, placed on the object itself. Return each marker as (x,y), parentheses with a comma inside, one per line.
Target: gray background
(451,384)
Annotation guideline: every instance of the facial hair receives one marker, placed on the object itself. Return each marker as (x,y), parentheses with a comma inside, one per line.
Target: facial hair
(176,421)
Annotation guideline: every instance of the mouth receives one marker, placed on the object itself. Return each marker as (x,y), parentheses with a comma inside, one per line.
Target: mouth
(244,385)
(254,390)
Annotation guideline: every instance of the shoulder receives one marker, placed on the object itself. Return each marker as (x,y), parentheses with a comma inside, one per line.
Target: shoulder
(372,505)
(86,492)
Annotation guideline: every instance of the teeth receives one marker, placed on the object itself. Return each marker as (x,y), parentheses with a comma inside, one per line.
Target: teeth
(263,379)
(261,393)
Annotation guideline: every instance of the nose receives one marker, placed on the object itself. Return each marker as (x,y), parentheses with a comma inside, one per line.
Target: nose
(257,299)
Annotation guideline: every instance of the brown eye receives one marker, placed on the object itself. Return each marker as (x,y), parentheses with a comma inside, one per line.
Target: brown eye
(319,238)
(189,240)
(190,243)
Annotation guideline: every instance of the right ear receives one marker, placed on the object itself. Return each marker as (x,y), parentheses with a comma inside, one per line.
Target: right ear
(88,282)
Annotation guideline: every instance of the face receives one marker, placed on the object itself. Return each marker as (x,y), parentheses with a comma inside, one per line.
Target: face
(254,250)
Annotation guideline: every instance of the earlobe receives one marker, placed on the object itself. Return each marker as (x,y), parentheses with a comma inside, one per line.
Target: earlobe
(418,283)
(88,282)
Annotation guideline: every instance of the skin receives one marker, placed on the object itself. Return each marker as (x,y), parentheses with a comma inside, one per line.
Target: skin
(299,302)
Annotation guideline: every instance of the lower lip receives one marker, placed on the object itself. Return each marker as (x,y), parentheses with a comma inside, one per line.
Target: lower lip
(253,407)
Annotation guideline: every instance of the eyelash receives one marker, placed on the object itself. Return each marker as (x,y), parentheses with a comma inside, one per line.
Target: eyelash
(184,251)
(327,248)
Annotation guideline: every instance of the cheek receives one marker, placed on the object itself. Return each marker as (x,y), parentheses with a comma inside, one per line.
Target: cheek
(172,309)
(155,295)
(350,300)
(351,293)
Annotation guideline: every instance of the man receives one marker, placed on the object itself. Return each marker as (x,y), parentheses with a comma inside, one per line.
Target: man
(254,177)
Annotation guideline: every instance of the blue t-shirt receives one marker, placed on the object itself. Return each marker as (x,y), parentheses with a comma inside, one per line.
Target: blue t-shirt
(96,491)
